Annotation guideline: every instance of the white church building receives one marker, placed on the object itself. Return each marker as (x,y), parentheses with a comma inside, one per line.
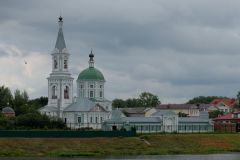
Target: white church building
(89,109)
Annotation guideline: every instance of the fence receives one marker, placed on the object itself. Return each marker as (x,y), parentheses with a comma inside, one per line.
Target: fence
(66,134)
(225,127)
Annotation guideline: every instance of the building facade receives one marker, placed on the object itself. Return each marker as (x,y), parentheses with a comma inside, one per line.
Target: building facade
(160,121)
(90,108)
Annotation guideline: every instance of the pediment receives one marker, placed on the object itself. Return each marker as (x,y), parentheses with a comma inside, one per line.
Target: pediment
(97,108)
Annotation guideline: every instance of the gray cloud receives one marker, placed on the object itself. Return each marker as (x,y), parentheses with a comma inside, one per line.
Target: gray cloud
(176,49)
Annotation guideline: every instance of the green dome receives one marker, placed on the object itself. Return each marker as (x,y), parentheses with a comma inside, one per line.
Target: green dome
(90,73)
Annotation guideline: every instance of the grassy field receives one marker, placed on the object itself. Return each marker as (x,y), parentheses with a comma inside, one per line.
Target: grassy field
(141,145)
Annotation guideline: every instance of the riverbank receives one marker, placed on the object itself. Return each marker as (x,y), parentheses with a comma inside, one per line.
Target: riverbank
(141,145)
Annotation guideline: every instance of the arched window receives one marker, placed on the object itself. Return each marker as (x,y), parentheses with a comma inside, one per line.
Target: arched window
(65,64)
(66,92)
(54,96)
(55,64)
(100,94)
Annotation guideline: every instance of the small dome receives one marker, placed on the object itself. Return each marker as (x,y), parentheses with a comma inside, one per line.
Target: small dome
(91,73)
(7,110)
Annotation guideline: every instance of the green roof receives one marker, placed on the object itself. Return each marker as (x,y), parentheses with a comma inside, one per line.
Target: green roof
(91,73)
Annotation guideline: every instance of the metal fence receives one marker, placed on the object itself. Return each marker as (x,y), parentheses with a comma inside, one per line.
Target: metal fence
(226,127)
(66,134)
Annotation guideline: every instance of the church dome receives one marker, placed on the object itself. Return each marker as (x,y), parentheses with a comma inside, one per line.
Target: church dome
(91,73)
(7,110)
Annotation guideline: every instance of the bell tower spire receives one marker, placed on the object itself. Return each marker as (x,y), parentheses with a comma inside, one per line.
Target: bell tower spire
(91,60)
(60,43)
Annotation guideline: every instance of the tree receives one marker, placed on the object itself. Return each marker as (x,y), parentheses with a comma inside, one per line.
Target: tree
(149,100)
(203,99)
(133,102)
(238,99)
(181,114)
(39,102)
(6,97)
(215,114)
(118,103)
(20,102)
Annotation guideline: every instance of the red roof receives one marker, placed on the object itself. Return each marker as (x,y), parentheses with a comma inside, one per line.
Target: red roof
(227,101)
(224,117)
(227,117)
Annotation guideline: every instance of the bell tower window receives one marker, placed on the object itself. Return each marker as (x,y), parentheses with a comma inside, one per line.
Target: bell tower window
(65,64)
(54,96)
(66,92)
(100,94)
(55,64)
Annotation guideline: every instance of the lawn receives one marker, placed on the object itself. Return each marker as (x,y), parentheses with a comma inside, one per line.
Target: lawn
(141,145)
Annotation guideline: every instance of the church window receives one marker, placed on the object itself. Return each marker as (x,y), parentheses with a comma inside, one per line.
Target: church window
(91,86)
(54,96)
(101,119)
(96,119)
(65,64)
(65,120)
(81,86)
(100,86)
(55,64)
(66,92)
(91,94)
(100,93)
(79,120)
(91,120)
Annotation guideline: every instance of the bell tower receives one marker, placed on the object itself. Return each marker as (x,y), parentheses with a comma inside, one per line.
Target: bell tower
(60,82)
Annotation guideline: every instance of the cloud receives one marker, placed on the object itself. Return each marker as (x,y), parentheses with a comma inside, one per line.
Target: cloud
(175,49)
(24,72)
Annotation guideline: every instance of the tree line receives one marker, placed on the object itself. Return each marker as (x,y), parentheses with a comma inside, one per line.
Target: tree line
(26,111)
(145,99)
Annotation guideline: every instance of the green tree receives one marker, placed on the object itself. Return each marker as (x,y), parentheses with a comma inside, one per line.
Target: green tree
(118,103)
(149,100)
(181,114)
(6,97)
(133,102)
(238,99)
(20,102)
(38,102)
(215,114)
(203,99)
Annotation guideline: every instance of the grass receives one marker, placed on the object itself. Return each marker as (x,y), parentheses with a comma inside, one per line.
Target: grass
(118,146)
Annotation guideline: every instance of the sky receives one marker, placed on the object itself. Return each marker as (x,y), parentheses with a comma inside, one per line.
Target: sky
(174,49)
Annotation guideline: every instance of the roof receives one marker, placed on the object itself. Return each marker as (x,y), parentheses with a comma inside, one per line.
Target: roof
(193,119)
(135,120)
(227,116)
(116,114)
(49,108)
(8,110)
(161,113)
(227,101)
(136,111)
(60,43)
(83,104)
(224,117)
(91,73)
(176,106)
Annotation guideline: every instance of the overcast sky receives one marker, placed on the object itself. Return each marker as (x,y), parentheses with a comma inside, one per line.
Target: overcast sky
(174,49)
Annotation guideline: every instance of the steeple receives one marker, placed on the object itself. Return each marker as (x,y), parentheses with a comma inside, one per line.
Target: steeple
(60,43)
(91,61)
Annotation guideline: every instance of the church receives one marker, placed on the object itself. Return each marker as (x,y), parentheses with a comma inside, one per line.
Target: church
(89,109)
